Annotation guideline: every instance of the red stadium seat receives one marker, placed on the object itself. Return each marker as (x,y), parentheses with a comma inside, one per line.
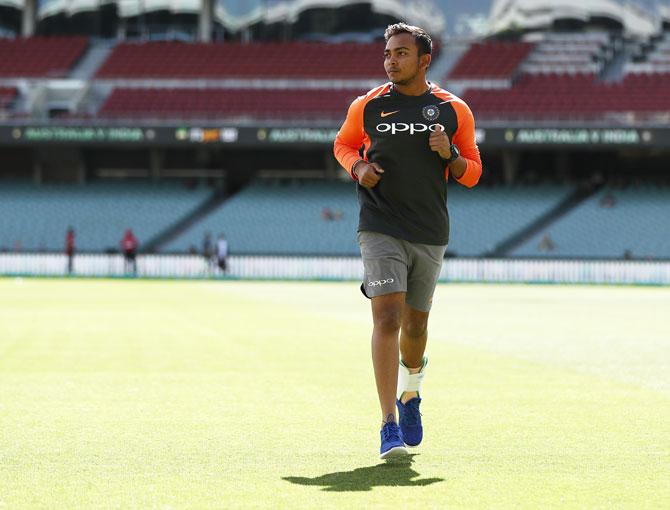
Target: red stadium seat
(7,96)
(490,60)
(40,56)
(573,96)
(237,60)
(222,103)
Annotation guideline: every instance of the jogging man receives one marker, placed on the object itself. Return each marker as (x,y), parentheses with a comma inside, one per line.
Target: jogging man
(401,141)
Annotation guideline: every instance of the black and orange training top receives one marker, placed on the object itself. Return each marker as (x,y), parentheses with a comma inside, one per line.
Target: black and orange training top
(392,129)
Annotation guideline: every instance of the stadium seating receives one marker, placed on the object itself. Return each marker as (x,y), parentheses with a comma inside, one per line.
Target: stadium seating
(215,103)
(655,87)
(573,96)
(7,96)
(287,218)
(283,218)
(634,219)
(50,57)
(38,216)
(555,76)
(481,217)
(490,60)
(280,217)
(584,53)
(293,60)
(653,56)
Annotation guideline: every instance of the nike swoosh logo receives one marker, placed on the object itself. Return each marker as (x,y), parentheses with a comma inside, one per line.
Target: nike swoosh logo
(389,113)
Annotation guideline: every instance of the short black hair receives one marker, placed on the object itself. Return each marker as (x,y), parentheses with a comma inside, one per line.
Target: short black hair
(422,38)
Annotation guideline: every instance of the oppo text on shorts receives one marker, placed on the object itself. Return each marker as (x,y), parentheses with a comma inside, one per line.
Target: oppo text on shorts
(377,283)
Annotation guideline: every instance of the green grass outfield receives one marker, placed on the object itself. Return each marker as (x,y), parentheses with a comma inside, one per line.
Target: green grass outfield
(169,394)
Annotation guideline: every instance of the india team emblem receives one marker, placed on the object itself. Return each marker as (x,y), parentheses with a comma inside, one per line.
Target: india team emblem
(430,112)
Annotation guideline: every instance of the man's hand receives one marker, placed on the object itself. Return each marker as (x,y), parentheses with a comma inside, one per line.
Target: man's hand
(439,142)
(368,174)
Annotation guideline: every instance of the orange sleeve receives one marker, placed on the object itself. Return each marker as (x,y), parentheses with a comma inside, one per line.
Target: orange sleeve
(351,136)
(464,138)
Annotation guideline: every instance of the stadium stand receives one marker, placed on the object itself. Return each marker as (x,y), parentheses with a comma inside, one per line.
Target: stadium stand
(49,57)
(289,218)
(653,56)
(574,96)
(655,86)
(293,60)
(581,52)
(559,76)
(38,216)
(490,60)
(551,76)
(481,217)
(609,224)
(216,103)
(7,96)
(274,217)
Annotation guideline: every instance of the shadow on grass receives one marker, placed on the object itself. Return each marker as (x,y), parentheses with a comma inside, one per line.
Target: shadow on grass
(393,473)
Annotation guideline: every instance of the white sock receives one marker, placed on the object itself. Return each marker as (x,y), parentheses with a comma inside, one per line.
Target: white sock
(410,382)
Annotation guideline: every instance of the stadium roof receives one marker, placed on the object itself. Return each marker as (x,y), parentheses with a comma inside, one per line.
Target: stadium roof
(636,18)
(237,14)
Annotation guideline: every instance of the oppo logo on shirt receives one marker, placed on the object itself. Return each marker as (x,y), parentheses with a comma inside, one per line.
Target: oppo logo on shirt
(402,127)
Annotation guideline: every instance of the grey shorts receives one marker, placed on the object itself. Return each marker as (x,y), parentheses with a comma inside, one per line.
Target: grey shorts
(395,265)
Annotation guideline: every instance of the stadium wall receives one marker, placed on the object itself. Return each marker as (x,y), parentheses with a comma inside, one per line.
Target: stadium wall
(340,268)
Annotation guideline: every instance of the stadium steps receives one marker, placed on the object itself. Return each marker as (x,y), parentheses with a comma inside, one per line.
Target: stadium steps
(551,216)
(614,69)
(176,229)
(447,58)
(89,63)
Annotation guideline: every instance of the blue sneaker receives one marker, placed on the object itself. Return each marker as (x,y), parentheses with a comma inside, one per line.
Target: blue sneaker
(392,443)
(410,421)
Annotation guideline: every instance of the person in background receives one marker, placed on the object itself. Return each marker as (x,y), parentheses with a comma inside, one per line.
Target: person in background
(546,243)
(326,213)
(207,245)
(129,246)
(222,252)
(608,201)
(207,252)
(69,249)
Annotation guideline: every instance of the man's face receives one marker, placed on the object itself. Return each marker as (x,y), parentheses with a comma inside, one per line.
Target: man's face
(401,59)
